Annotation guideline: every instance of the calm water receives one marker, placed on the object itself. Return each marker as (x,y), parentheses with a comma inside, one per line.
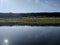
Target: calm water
(30,35)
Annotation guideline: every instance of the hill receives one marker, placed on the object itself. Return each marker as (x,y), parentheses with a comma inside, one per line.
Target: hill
(45,14)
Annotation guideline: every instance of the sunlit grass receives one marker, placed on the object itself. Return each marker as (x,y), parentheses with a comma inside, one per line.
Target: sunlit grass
(30,21)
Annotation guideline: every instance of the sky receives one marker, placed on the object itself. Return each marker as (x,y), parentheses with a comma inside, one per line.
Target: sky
(26,6)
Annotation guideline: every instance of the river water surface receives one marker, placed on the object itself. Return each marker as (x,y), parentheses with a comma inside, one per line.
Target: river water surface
(30,35)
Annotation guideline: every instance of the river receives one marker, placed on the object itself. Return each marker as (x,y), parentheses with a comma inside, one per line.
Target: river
(30,35)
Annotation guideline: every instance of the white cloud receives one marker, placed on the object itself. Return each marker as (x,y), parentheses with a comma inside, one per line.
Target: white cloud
(27,5)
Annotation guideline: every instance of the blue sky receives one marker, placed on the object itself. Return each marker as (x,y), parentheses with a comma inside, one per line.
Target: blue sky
(26,6)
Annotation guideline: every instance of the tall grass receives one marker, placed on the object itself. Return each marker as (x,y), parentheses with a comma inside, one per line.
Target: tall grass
(30,21)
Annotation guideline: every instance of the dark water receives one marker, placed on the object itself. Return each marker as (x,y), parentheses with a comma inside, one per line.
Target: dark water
(30,35)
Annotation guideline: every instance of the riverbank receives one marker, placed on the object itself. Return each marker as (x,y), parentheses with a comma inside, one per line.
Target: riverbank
(32,21)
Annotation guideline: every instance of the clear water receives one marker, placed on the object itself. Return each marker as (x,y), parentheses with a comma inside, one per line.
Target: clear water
(30,35)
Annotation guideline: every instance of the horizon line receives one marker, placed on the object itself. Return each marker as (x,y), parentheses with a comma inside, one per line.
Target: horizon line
(29,12)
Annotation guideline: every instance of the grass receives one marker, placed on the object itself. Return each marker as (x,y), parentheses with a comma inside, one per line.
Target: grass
(33,21)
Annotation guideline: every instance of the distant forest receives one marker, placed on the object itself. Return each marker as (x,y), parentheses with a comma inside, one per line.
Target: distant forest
(46,14)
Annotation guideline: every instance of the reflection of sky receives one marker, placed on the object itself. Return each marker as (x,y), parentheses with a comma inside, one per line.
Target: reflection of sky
(29,5)
(18,35)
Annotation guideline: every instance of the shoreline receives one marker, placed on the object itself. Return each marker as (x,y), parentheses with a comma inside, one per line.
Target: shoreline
(30,21)
(16,24)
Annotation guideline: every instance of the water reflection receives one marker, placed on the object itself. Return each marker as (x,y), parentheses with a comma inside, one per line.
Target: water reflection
(30,35)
